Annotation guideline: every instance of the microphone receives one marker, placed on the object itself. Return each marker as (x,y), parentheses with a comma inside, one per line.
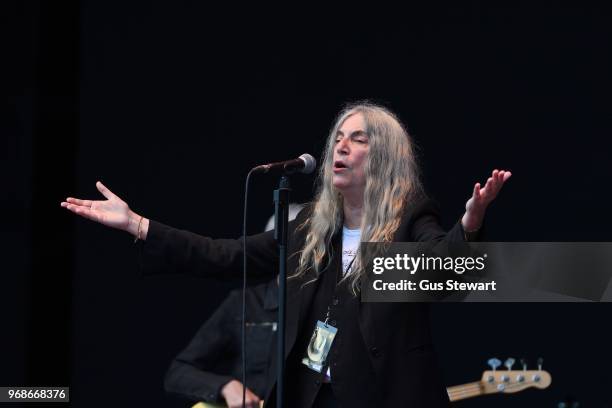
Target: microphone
(304,164)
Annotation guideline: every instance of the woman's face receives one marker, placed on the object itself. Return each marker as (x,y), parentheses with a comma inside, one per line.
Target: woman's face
(350,155)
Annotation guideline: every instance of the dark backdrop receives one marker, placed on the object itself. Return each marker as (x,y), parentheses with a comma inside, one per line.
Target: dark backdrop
(170,104)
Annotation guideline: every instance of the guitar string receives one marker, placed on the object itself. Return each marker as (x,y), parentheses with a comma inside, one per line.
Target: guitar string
(463,393)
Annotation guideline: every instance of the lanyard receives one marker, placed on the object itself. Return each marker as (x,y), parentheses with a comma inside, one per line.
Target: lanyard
(348,268)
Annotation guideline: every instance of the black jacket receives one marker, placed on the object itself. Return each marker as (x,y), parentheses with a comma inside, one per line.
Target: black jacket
(397,335)
(213,357)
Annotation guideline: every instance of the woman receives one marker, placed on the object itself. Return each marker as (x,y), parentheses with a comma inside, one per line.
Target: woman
(377,354)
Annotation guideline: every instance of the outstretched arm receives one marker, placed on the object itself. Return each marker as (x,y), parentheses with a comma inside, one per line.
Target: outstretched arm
(476,206)
(172,250)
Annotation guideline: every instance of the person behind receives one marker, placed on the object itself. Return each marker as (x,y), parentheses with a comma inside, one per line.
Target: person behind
(339,351)
(209,369)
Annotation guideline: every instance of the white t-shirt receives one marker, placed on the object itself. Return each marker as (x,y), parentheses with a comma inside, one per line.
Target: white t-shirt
(350,244)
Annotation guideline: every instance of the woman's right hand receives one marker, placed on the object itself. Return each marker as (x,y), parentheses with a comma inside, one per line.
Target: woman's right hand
(112,212)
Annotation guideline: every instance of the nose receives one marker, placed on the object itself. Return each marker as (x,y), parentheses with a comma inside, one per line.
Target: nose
(342,147)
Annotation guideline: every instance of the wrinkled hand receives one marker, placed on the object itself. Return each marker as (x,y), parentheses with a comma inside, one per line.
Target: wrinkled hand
(476,206)
(112,212)
(232,393)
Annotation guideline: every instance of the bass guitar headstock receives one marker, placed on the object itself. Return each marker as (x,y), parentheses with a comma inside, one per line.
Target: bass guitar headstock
(510,381)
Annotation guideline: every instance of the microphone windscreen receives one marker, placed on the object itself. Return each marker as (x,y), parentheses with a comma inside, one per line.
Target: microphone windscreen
(309,163)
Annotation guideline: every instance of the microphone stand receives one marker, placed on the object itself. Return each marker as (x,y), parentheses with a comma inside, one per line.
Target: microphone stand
(281,221)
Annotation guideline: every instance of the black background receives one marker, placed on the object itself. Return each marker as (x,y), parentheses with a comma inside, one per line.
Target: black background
(170,104)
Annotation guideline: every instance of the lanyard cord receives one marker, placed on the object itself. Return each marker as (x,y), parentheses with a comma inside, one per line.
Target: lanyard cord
(348,268)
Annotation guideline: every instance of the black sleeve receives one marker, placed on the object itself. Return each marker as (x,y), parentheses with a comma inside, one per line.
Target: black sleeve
(192,373)
(426,225)
(170,250)
(426,228)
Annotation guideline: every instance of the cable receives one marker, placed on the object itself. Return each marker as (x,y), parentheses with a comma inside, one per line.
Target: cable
(244,280)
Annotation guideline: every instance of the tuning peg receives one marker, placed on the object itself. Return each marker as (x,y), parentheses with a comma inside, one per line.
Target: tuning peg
(524,363)
(494,363)
(540,362)
(509,363)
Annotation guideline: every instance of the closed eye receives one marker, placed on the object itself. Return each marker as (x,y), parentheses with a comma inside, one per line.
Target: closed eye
(358,136)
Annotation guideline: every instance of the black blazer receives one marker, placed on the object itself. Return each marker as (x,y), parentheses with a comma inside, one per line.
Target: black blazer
(397,335)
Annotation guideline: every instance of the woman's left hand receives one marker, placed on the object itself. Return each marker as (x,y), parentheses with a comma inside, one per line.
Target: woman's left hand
(476,206)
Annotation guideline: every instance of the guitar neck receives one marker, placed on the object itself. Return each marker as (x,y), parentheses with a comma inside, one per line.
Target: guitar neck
(469,390)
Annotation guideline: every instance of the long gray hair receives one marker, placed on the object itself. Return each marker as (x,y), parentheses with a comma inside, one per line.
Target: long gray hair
(392,181)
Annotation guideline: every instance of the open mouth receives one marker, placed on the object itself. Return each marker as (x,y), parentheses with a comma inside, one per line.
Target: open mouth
(339,165)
